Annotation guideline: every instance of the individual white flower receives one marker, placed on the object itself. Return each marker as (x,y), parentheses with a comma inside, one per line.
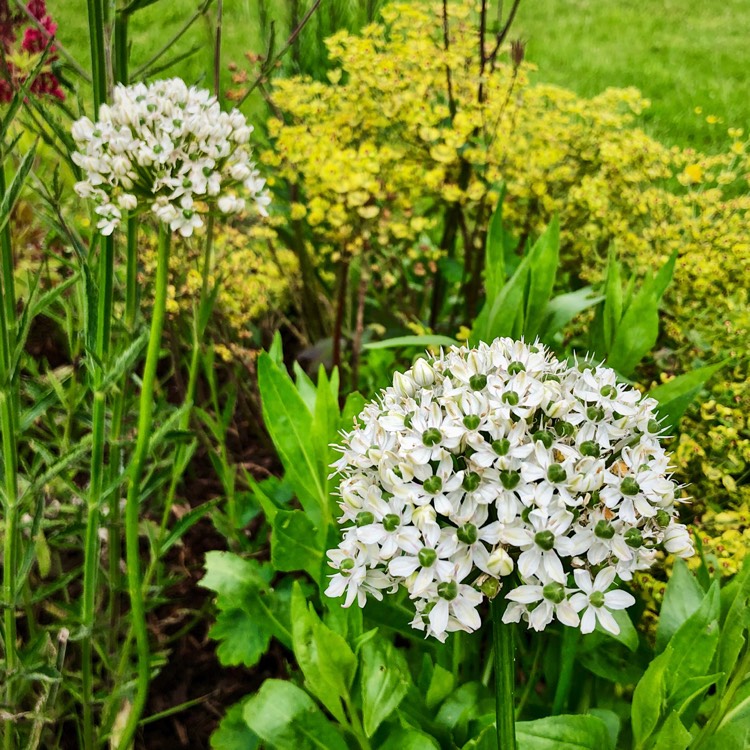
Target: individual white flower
(159,145)
(677,540)
(539,604)
(596,601)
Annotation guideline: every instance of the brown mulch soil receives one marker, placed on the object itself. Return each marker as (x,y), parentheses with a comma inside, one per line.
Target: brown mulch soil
(193,671)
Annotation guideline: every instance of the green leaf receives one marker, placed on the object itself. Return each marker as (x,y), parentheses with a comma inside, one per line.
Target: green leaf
(544,259)
(422,341)
(14,188)
(245,584)
(409,739)
(289,423)
(293,544)
(682,598)
(441,686)
(628,635)
(325,658)
(733,635)
(562,309)
(243,640)
(231,576)
(355,403)
(672,735)
(732,736)
(582,732)
(284,716)
(649,698)
(233,733)
(385,681)
(676,395)
(494,251)
(305,386)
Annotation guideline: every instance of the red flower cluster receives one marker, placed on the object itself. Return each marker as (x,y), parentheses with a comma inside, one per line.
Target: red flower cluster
(33,41)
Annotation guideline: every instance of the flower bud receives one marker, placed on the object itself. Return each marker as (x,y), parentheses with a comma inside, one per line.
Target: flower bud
(677,540)
(500,563)
(423,374)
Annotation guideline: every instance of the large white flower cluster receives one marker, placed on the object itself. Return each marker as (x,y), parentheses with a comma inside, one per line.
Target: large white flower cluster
(169,148)
(502,468)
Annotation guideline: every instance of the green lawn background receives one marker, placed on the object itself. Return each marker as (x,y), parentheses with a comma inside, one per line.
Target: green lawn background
(681,54)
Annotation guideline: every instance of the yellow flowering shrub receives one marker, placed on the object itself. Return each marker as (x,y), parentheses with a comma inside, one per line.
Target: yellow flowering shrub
(256,276)
(381,154)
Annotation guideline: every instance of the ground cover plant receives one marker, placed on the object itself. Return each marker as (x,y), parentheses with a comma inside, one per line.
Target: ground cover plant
(369,380)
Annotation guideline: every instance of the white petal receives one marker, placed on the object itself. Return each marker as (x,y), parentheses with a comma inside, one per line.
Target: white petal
(588,621)
(607,621)
(618,600)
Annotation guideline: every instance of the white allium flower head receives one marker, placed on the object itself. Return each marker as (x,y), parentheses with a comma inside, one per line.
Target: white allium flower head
(502,465)
(168,148)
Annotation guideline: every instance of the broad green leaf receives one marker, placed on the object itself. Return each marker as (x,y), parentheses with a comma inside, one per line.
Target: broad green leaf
(276,351)
(441,686)
(289,423)
(628,635)
(423,341)
(611,720)
(734,633)
(409,739)
(243,640)
(582,732)
(676,395)
(636,333)
(8,199)
(672,735)
(732,736)
(385,681)
(245,584)
(694,644)
(305,386)
(325,425)
(233,733)
(494,253)
(562,309)
(231,576)
(355,403)
(293,543)
(544,259)
(460,708)
(649,699)
(285,717)
(325,658)
(682,598)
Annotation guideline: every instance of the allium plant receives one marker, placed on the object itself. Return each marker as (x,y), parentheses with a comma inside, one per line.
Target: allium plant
(169,148)
(503,471)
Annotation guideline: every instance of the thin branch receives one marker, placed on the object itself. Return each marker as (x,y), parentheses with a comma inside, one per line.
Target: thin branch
(217,49)
(268,65)
(446,47)
(198,13)
(500,38)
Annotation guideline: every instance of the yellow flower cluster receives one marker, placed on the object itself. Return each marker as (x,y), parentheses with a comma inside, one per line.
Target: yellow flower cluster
(255,272)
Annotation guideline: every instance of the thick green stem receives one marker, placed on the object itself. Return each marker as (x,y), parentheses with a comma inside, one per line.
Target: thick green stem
(118,412)
(200,320)
(98,64)
(8,422)
(96,487)
(567,662)
(505,676)
(132,505)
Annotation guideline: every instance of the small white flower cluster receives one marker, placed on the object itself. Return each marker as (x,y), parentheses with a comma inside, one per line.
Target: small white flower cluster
(170,148)
(486,461)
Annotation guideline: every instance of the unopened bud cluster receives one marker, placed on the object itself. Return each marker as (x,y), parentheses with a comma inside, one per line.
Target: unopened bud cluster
(496,462)
(170,149)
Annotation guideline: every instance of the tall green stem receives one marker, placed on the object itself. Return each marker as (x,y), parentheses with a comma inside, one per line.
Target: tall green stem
(567,662)
(505,676)
(98,64)
(8,423)
(199,328)
(118,413)
(132,505)
(96,485)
